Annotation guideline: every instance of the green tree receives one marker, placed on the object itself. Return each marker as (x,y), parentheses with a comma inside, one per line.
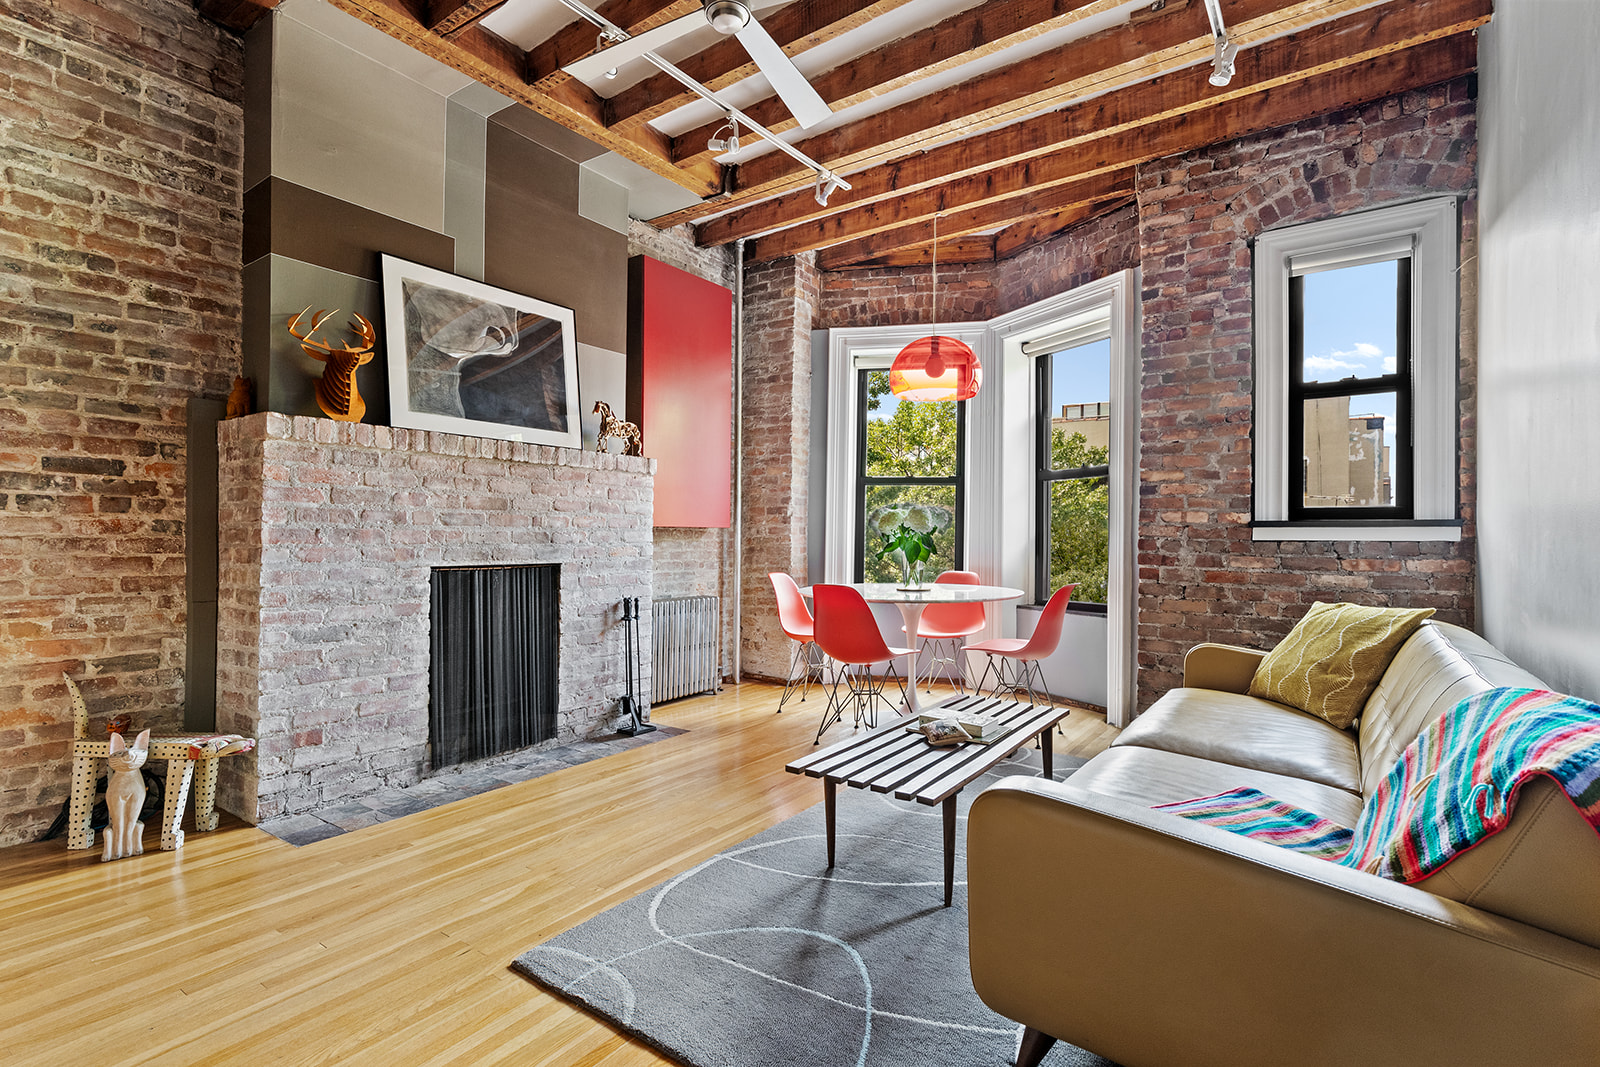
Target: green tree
(914,441)
(1080,513)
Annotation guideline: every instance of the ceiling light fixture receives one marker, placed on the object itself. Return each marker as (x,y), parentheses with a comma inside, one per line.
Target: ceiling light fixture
(935,368)
(730,142)
(1226,50)
(827,181)
(727,17)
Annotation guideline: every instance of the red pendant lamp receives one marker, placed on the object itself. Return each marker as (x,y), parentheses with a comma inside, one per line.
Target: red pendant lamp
(936,368)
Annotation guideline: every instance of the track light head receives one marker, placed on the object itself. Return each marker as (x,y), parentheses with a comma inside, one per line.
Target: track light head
(727,17)
(826,184)
(729,143)
(1222,62)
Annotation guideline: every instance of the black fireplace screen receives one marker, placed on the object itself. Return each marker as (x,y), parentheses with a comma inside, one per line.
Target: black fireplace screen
(492,682)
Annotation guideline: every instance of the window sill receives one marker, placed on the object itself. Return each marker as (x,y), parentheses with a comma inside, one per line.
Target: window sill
(1357,531)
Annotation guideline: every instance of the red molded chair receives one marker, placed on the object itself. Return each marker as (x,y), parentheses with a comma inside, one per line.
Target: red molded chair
(795,618)
(1024,655)
(942,628)
(848,633)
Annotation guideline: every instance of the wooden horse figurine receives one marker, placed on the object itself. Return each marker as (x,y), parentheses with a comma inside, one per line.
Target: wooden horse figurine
(125,796)
(611,426)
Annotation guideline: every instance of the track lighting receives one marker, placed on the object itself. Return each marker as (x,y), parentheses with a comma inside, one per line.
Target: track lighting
(1222,62)
(729,143)
(727,17)
(827,182)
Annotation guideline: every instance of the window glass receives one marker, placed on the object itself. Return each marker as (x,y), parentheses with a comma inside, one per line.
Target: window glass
(910,476)
(1073,544)
(1350,320)
(1348,455)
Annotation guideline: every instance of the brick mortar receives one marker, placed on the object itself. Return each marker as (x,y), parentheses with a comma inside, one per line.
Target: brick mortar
(121,142)
(329,534)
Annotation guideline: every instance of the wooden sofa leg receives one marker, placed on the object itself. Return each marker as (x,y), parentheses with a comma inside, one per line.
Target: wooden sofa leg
(1035,1043)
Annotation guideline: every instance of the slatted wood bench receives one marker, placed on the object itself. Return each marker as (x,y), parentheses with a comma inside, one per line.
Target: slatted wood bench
(894,760)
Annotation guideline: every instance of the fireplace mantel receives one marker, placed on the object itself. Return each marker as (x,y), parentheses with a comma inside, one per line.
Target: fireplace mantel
(328,533)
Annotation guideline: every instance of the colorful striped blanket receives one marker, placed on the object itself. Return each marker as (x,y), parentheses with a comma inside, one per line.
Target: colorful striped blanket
(1453,786)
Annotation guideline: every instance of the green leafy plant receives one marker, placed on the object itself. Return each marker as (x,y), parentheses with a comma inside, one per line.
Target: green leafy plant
(907,532)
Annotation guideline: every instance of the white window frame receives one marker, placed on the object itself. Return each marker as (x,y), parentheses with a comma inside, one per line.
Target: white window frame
(1429,228)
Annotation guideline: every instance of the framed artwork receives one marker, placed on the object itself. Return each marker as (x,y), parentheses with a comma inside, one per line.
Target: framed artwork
(472,359)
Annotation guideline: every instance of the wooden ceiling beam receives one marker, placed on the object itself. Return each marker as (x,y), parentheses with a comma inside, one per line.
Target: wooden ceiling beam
(447,17)
(1384,76)
(1123,54)
(1319,52)
(965,206)
(797,28)
(236,15)
(501,65)
(962,38)
(978,248)
(577,39)
(919,225)
(1036,231)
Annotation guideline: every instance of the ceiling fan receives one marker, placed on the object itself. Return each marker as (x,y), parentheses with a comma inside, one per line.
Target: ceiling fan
(731,18)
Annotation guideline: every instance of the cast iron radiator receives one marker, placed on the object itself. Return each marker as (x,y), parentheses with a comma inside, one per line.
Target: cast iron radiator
(685,645)
(495,660)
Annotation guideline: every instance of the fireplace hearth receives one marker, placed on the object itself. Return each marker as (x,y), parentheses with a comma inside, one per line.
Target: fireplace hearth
(330,537)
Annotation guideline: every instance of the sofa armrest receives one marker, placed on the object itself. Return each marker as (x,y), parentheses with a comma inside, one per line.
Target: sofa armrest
(1150,939)
(1228,668)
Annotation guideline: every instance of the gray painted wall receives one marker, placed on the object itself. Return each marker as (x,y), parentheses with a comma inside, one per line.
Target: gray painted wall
(1539,339)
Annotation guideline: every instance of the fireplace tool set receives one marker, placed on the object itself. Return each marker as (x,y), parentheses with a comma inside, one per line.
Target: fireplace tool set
(633,721)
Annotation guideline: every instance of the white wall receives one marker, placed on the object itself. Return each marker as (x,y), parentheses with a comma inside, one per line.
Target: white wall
(1539,339)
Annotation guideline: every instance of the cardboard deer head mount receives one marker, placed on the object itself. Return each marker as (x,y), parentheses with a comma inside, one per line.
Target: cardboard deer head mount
(337,395)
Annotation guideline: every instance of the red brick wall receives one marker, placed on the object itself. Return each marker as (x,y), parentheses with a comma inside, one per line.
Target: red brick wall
(1201,578)
(121,142)
(898,296)
(781,303)
(1088,252)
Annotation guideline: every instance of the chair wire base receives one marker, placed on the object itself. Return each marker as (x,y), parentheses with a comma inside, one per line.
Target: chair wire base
(943,658)
(863,691)
(807,664)
(1024,676)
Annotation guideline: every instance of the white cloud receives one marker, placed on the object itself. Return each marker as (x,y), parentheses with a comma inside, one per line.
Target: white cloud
(1390,365)
(1366,351)
(1320,363)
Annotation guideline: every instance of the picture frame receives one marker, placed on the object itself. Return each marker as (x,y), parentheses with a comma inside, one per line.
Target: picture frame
(474,359)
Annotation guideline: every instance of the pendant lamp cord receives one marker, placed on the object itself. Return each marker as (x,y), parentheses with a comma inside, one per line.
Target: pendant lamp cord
(935,331)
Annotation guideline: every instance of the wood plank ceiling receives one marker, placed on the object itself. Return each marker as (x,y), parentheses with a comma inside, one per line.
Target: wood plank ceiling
(1009,120)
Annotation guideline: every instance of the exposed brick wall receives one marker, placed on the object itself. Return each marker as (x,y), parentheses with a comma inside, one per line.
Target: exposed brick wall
(1201,578)
(121,142)
(781,303)
(688,561)
(900,296)
(1088,252)
(329,533)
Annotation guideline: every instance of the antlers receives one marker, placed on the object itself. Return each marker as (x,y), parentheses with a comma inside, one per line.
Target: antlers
(337,394)
(319,350)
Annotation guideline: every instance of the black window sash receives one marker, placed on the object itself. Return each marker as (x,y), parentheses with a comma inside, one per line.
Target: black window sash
(1046,476)
(863,481)
(1401,473)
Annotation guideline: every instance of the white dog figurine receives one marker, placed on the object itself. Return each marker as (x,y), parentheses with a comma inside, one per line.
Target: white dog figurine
(125,796)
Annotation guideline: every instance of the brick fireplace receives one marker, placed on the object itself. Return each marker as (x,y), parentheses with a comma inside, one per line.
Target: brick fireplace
(329,534)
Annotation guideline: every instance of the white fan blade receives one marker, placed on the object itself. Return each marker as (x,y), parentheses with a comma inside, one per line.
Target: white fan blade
(785,78)
(594,66)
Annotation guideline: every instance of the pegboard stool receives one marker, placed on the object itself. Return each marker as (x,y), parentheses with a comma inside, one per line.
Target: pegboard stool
(189,758)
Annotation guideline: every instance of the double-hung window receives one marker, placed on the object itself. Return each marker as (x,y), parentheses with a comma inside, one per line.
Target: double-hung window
(1355,416)
(1072,505)
(909,455)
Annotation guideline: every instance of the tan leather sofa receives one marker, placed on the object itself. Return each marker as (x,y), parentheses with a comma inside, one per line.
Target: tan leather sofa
(1159,942)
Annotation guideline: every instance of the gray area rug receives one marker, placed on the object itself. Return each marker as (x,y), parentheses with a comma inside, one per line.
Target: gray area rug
(762,957)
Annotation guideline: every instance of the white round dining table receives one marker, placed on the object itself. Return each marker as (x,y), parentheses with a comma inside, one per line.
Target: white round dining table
(912,603)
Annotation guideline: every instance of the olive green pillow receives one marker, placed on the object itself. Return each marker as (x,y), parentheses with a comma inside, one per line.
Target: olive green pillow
(1331,661)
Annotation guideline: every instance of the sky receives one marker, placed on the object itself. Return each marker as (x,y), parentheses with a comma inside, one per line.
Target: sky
(1350,331)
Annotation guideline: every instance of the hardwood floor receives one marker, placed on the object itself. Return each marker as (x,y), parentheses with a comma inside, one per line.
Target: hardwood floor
(389,945)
